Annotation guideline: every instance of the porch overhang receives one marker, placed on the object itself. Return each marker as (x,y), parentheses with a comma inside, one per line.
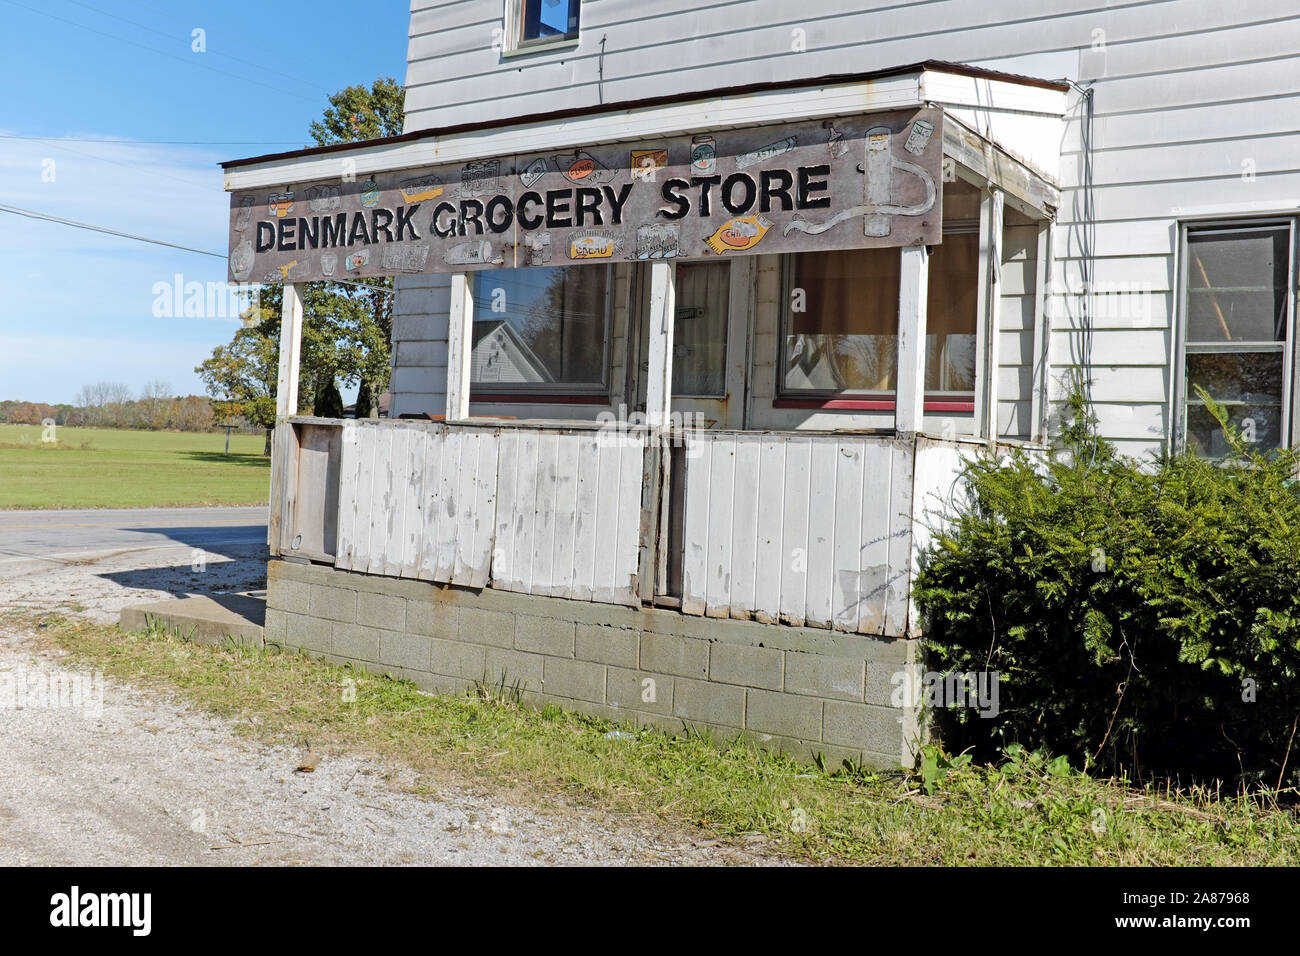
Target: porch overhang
(1018,150)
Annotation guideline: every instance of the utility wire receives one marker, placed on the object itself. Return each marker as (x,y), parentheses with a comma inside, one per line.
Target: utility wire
(33,214)
(135,166)
(46,217)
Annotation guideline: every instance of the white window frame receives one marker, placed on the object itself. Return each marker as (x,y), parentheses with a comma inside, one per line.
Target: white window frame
(1178,373)
(514,43)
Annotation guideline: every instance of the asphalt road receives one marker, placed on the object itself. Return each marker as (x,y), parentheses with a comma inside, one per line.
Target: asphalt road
(28,537)
(102,560)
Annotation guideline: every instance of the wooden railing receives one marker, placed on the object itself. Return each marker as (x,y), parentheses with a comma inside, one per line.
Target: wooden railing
(819,530)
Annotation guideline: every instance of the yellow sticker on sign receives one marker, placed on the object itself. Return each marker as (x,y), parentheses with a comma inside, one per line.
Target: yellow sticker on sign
(739,234)
(646,163)
(594,246)
(420,189)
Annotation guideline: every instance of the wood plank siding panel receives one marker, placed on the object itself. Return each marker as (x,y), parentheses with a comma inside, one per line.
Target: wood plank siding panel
(803,529)
(1185,92)
(1017,286)
(538,511)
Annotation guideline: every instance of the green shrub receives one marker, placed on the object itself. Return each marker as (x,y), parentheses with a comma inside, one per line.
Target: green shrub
(1142,620)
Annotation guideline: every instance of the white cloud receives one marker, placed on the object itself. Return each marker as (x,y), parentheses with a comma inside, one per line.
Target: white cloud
(76,306)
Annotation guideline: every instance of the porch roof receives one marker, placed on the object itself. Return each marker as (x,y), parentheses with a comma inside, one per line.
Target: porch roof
(1003,128)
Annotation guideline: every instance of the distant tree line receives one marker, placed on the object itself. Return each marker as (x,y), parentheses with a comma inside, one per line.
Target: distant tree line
(113,405)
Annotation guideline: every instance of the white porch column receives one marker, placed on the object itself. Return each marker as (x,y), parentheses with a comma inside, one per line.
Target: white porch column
(913,287)
(286,386)
(460,344)
(1041,380)
(663,310)
(988,309)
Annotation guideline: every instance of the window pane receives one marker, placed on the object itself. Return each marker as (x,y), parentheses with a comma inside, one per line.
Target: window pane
(540,326)
(1249,385)
(700,333)
(1205,437)
(842,321)
(1236,285)
(845,337)
(952,301)
(550,18)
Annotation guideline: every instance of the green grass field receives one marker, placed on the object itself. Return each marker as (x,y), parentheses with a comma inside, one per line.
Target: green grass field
(118,468)
(1025,811)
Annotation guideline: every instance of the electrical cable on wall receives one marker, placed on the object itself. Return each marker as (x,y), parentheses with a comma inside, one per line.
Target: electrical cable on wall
(1086,226)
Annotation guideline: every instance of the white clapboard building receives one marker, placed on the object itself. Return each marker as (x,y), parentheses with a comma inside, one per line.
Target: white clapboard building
(702,306)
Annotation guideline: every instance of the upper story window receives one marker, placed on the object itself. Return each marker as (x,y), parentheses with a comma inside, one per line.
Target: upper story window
(1236,333)
(538,22)
(541,331)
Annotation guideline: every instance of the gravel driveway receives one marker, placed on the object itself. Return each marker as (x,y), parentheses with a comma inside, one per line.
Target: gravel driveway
(129,776)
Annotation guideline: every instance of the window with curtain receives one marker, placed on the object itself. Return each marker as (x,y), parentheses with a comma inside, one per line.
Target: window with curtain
(700,332)
(541,330)
(840,334)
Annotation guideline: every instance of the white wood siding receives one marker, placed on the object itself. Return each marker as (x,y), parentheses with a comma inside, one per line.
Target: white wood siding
(417,501)
(1017,282)
(419,356)
(1185,92)
(568,514)
(803,529)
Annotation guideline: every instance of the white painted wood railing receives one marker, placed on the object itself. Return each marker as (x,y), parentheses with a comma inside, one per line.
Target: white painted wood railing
(819,530)
(549,511)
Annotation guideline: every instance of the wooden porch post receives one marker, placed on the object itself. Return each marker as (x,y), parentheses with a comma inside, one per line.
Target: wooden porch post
(283,446)
(913,287)
(988,309)
(460,345)
(663,310)
(1041,379)
(286,387)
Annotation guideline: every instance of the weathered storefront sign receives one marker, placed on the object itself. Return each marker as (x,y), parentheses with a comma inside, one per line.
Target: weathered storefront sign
(853,182)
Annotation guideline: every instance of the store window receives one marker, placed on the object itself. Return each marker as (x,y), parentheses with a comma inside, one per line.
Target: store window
(543,21)
(541,331)
(840,336)
(1236,333)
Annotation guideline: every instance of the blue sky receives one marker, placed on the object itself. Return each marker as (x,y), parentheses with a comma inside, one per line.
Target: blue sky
(78,307)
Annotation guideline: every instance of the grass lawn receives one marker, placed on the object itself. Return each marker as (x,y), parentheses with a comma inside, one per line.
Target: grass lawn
(1027,811)
(119,468)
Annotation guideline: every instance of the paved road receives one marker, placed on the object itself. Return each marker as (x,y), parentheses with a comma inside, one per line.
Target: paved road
(27,536)
(103,560)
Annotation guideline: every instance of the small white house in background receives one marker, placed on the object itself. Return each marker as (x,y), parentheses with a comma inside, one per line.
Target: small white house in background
(499,354)
(701,307)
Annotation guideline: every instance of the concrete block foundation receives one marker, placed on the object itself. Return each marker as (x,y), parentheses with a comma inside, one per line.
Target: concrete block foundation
(802,690)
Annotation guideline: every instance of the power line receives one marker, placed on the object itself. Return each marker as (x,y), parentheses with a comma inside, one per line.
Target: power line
(135,166)
(46,217)
(33,214)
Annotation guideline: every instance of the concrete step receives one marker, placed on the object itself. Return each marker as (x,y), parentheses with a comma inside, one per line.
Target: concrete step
(207,619)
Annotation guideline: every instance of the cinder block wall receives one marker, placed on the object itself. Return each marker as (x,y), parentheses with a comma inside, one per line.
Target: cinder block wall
(801,690)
